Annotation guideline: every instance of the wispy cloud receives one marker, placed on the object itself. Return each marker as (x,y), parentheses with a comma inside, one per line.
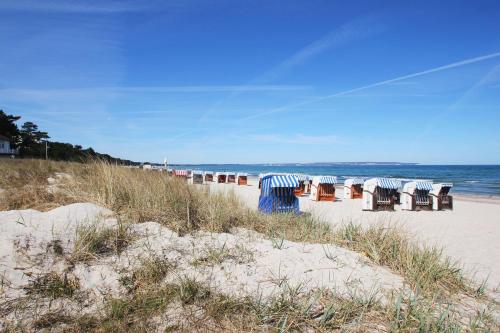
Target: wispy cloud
(70,6)
(355,30)
(377,84)
(491,76)
(208,88)
(107,92)
(296,139)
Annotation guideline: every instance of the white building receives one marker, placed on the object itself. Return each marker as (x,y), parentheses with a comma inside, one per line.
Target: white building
(5,149)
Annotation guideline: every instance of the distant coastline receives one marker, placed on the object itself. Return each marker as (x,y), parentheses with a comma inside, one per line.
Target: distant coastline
(316,164)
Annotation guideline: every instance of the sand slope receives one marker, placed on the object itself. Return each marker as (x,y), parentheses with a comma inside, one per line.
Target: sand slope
(246,264)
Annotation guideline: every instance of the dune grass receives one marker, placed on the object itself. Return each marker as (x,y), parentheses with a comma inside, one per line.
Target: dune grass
(53,285)
(94,240)
(137,196)
(425,268)
(24,184)
(140,195)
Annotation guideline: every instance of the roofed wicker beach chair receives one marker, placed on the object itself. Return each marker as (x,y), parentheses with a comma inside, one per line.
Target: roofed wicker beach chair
(380,193)
(181,174)
(208,176)
(231,177)
(220,177)
(323,188)
(441,199)
(353,188)
(277,194)
(242,178)
(196,177)
(416,196)
(301,188)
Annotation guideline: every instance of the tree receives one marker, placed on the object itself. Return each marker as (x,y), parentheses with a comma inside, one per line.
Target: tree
(8,127)
(32,140)
(30,133)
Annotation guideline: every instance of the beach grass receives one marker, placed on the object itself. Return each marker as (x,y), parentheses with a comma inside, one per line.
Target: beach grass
(140,195)
(24,184)
(137,195)
(95,240)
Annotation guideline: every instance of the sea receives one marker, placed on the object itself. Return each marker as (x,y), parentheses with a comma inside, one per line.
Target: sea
(467,179)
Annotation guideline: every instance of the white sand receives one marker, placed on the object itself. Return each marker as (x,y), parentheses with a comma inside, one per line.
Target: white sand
(470,233)
(252,266)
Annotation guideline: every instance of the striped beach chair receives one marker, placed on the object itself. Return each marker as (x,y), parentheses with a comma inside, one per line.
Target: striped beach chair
(323,188)
(441,198)
(277,194)
(380,193)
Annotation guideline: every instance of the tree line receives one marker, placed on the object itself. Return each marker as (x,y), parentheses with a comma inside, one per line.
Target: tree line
(32,142)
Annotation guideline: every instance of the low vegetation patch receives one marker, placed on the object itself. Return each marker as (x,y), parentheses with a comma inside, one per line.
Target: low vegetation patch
(190,306)
(95,240)
(53,285)
(425,268)
(25,185)
(151,272)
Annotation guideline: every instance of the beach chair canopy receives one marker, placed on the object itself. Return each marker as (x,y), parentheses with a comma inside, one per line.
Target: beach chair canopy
(387,183)
(436,188)
(284,181)
(354,181)
(410,187)
(324,180)
(426,186)
(198,172)
(230,173)
(242,174)
(208,172)
(181,172)
(217,174)
(302,177)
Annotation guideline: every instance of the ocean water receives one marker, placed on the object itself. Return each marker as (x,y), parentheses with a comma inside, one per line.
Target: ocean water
(467,179)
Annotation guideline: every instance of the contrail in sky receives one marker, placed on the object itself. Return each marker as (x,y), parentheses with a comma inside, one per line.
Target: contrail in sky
(381,83)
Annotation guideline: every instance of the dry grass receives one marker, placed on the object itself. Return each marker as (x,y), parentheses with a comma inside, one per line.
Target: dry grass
(151,272)
(25,184)
(137,196)
(53,285)
(425,268)
(189,306)
(143,196)
(95,240)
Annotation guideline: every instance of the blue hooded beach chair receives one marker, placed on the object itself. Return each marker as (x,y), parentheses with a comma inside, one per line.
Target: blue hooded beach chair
(276,194)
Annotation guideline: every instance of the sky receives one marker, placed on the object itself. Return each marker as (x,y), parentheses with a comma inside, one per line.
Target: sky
(252,81)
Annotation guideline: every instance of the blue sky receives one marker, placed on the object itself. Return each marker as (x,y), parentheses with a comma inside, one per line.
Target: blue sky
(258,81)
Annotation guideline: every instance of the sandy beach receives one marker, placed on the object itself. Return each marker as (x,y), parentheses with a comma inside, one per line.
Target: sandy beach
(468,234)
(77,257)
